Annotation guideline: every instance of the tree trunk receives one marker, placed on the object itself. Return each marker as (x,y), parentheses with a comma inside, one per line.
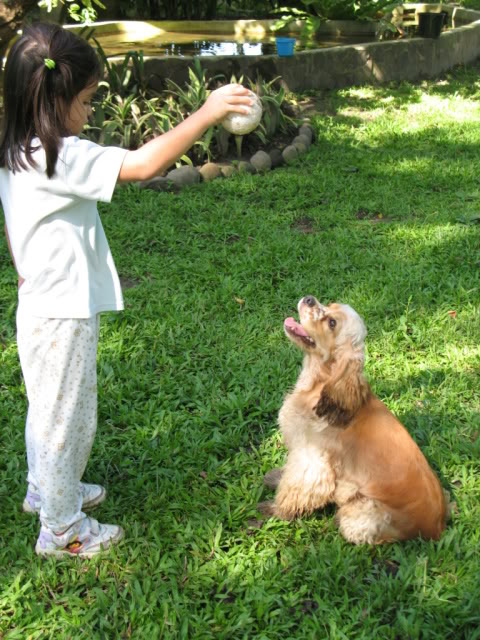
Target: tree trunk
(12,15)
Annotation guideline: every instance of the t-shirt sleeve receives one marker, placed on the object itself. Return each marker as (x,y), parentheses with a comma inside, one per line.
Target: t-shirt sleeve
(90,170)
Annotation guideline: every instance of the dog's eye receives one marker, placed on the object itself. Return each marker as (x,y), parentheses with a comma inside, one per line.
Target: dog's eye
(332,323)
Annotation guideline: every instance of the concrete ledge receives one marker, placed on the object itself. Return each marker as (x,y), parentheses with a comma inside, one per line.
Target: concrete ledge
(247,28)
(370,63)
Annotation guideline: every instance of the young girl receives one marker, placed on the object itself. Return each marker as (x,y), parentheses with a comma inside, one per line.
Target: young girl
(50,181)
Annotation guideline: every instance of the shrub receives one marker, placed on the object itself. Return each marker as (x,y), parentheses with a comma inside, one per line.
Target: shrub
(127,113)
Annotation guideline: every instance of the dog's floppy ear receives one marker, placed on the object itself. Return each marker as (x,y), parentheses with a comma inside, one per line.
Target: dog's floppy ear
(344,392)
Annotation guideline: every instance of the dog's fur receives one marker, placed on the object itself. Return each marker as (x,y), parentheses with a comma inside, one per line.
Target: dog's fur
(344,445)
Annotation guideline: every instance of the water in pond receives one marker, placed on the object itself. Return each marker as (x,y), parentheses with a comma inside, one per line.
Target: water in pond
(189,44)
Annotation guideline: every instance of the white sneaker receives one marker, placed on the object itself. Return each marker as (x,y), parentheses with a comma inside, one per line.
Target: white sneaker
(84,539)
(92,495)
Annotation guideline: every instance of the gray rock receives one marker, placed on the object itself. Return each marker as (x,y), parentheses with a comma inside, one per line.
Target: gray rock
(184,176)
(246,167)
(158,183)
(290,153)
(304,139)
(261,161)
(276,158)
(228,171)
(209,171)
(300,147)
(307,130)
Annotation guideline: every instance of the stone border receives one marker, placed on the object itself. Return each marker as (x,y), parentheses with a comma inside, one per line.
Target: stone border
(371,63)
(260,162)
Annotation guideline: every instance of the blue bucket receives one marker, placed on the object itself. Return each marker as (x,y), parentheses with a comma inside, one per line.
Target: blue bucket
(285,46)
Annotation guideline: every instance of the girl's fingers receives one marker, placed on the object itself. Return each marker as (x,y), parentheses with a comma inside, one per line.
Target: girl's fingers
(235,90)
(241,104)
(239,109)
(240,100)
(236,98)
(238,88)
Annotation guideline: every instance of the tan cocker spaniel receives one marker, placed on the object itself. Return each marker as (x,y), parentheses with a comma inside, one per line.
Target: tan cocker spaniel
(344,445)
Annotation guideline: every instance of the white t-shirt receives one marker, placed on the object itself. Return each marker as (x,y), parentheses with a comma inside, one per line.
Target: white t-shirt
(55,232)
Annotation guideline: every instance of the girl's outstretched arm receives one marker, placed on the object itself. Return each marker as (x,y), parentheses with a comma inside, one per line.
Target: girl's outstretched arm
(160,153)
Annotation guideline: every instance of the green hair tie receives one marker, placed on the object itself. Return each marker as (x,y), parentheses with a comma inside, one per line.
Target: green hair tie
(49,63)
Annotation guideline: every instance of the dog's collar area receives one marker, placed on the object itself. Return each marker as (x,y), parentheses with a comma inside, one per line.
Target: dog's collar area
(294,328)
(334,413)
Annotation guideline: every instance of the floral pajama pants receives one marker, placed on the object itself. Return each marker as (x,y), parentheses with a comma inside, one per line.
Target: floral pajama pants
(58,359)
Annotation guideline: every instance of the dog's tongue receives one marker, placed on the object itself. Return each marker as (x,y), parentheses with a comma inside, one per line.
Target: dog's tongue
(294,327)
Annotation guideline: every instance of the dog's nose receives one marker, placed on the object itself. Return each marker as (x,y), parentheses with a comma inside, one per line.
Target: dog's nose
(309,301)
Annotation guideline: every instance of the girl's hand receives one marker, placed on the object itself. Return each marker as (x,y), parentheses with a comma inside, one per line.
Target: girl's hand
(157,155)
(20,281)
(225,100)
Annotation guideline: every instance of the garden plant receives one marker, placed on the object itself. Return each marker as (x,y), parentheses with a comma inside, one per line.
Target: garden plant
(127,112)
(382,213)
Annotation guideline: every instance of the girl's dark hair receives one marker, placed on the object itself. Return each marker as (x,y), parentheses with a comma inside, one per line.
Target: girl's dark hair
(46,69)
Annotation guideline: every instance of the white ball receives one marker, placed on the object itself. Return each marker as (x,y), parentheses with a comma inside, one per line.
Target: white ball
(242,123)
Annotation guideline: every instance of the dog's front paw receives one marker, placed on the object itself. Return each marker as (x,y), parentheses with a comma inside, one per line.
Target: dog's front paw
(266,508)
(272,478)
(271,508)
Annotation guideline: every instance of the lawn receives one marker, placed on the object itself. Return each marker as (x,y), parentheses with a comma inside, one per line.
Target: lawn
(382,213)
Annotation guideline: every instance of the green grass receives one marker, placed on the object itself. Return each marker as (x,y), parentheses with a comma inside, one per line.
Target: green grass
(382,213)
